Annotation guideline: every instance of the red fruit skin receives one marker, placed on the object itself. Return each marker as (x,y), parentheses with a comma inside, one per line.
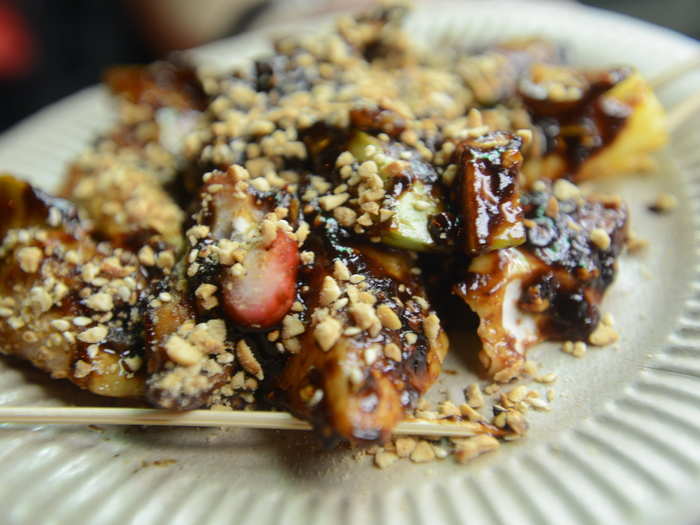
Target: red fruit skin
(261,298)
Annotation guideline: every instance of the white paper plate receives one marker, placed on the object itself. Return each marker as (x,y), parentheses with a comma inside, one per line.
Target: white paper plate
(621,445)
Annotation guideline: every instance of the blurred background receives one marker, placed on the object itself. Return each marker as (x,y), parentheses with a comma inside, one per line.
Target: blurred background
(52,48)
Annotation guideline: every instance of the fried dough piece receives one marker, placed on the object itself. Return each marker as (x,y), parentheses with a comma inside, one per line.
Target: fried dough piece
(550,287)
(379,175)
(493,74)
(119,181)
(158,85)
(487,195)
(68,305)
(186,360)
(365,347)
(125,201)
(241,268)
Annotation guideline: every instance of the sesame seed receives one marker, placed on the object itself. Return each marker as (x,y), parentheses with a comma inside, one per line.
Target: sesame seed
(547,378)
(431,326)
(664,203)
(352,330)
(371,353)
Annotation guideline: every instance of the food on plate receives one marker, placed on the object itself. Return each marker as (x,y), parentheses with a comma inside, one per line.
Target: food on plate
(69,302)
(281,235)
(550,287)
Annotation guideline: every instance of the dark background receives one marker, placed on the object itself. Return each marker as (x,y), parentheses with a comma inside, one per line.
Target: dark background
(52,48)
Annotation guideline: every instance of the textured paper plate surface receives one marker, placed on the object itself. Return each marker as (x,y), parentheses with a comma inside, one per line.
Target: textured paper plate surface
(622,443)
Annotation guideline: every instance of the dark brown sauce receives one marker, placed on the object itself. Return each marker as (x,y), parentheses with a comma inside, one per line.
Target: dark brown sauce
(577,273)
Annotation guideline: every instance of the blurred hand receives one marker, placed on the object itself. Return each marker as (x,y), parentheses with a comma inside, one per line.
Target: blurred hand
(17,46)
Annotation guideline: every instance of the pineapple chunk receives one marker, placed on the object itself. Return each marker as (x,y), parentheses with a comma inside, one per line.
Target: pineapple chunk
(587,146)
(643,133)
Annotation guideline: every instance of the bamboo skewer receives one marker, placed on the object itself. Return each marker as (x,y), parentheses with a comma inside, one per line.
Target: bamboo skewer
(674,72)
(682,111)
(206,418)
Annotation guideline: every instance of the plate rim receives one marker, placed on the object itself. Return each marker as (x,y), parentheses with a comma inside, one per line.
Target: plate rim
(97,93)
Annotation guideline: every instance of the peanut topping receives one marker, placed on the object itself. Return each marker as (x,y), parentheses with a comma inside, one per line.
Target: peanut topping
(181,352)
(292,326)
(431,325)
(472,447)
(29,258)
(247,360)
(423,452)
(392,351)
(330,291)
(94,334)
(101,302)
(365,317)
(600,238)
(327,333)
(330,202)
(205,295)
(388,318)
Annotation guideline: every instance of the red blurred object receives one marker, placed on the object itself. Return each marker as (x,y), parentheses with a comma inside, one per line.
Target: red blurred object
(17,45)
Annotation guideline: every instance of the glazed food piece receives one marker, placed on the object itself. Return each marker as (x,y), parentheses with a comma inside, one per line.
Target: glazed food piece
(186,360)
(591,124)
(119,182)
(365,344)
(68,305)
(244,251)
(550,287)
(159,85)
(487,194)
(127,205)
(240,270)
(492,75)
(392,192)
